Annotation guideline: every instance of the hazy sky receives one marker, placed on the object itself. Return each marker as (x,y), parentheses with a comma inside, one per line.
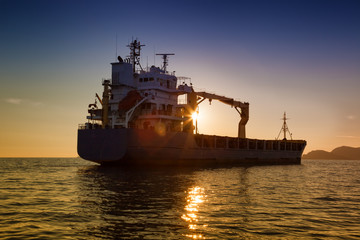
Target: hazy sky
(302,57)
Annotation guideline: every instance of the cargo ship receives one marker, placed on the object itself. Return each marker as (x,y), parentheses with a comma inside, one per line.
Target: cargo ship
(145,117)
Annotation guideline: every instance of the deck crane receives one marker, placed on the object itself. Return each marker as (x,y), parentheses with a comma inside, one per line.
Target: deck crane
(195,98)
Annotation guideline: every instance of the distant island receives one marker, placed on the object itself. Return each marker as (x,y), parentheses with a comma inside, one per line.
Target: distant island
(341,153)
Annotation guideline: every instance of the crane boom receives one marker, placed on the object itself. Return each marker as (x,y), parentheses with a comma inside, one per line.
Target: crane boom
(223,99)
(244,113)
(97,96)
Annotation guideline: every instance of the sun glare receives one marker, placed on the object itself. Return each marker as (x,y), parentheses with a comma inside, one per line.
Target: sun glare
(194,116)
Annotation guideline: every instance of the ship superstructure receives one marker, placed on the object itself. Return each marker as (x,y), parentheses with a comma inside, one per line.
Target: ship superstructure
(141,120)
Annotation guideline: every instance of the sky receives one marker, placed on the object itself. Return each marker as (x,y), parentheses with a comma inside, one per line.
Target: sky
(302,57)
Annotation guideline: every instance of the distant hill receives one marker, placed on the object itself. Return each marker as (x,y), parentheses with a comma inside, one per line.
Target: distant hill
(345,153)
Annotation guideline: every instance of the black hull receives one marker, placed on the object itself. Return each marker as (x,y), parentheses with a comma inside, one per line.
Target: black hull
(147,148)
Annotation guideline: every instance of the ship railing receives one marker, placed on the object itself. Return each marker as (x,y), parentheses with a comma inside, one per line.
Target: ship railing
(211,142)
(83,126)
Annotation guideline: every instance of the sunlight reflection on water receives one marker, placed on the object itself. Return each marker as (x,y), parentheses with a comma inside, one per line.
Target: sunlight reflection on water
(194,199)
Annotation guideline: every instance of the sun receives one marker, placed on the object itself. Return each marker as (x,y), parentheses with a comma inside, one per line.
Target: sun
(194,116)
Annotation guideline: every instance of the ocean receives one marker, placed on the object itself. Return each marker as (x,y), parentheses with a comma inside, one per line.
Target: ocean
(59,198)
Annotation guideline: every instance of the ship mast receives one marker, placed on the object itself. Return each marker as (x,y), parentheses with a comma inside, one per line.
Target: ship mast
(165,59)
(284,128)
(135,48)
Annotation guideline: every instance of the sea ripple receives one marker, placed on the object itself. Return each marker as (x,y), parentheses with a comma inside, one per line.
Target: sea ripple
(75,199)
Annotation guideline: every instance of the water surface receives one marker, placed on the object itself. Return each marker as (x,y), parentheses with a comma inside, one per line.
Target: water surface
(75,199)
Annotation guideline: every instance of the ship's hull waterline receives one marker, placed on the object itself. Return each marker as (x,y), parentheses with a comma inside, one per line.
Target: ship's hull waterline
(137,147)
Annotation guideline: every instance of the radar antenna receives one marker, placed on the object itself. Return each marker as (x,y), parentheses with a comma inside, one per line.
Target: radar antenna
(135,48)
(165,58)
(284,128)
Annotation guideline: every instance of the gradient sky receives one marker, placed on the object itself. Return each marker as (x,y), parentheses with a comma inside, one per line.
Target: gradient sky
(302,57)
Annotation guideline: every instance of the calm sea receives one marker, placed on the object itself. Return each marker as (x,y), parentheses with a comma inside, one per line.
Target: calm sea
(75,199)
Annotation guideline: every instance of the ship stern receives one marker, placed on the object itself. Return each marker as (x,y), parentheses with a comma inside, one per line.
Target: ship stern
(102,145)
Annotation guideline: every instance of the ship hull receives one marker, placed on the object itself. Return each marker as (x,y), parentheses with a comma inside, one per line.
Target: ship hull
(147,147)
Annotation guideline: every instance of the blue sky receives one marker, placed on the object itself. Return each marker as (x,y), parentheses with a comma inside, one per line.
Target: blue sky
(302,57)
